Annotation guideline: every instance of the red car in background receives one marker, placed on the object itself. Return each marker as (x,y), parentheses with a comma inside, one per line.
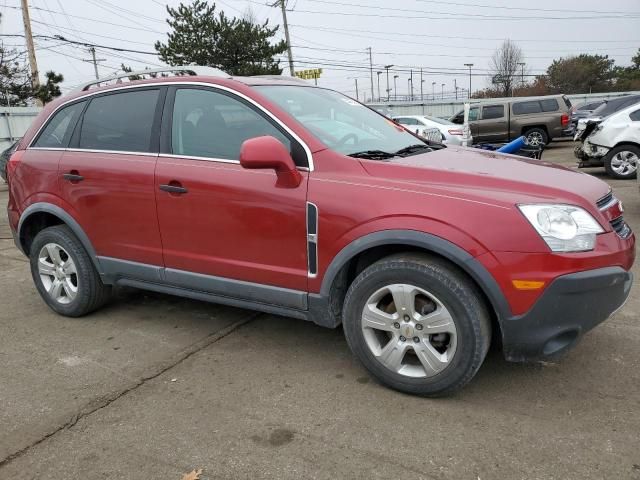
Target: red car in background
(271,194)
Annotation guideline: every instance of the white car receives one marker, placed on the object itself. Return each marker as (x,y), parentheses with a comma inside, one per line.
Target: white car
(451,133)
(613,143)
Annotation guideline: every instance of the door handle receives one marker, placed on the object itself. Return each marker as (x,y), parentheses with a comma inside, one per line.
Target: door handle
(73,177)
(173,188)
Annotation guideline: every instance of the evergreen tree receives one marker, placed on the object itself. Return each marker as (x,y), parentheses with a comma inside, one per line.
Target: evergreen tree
(237,46)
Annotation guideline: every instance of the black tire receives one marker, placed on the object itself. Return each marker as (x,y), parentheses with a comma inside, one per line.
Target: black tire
(91,292)
(621,150)
(456,292)
(535,136)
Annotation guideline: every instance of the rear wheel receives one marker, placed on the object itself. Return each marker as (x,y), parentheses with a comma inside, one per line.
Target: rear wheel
(536,137)
(622,162)
(64,274)
(417,324)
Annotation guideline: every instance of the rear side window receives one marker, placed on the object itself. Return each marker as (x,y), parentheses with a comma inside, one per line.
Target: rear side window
(492,111)
(635,116)
(59,129)
(120,122)
(214,125)
(473,114)
(522,108)
(549,105)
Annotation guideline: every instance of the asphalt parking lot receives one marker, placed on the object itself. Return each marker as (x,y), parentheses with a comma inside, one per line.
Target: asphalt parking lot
(154,386)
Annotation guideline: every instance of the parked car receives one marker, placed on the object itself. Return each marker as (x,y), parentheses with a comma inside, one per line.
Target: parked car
(539,119)
(451,133)
(609,107)
(4,158)
(613,143)
(271,194)
(581,111)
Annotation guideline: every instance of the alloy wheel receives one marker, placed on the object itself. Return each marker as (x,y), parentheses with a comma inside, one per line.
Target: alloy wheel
(534,139)
(409,331)
(624,163)
(58,273)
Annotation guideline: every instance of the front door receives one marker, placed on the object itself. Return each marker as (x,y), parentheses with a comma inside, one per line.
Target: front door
(221,225)
(107,175)
(492,126)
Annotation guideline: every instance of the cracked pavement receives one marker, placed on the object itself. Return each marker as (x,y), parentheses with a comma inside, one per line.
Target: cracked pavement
(154,386)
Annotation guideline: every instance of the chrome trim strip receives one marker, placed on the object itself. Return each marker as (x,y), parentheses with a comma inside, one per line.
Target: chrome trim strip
(609,204)
(183,83)
(111,152)
(312,237)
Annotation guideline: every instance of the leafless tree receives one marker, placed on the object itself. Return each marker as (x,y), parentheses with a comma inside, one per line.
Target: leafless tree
(505,67)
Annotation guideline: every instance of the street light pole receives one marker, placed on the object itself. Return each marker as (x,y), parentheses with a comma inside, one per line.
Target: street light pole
(522,64)
(395,87)
(411,82)
(357,96)
(421,90)
(455,87)
(387,67)
(469,65)
(378,73)
(443,91)
(433,90)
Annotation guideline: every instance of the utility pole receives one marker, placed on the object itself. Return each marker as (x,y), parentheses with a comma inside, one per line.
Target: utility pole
(455,87)
(378,73)
(95,61)
(433,90)
(387,67)
(35,80)
(357,96)
(443,91)
(371,70)
(283,6)
(421,87)
(469,65)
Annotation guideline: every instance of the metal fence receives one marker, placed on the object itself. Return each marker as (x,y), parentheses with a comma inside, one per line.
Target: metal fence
(448,108)
(14,122)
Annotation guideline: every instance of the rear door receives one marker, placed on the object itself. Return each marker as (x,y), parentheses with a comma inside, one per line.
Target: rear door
(106,176)
(224,223)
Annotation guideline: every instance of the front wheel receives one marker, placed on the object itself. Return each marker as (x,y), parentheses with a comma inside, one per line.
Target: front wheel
(622,162)
(417,324)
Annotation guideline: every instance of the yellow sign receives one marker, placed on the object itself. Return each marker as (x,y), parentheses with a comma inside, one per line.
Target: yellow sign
(309,74)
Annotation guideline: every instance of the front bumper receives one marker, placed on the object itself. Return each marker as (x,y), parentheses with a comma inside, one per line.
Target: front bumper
(570,306)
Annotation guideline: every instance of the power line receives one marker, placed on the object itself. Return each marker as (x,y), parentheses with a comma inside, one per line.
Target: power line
(528,9)
(449,15)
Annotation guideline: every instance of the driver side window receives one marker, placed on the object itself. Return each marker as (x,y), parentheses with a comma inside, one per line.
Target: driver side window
(214,125)
(59,129)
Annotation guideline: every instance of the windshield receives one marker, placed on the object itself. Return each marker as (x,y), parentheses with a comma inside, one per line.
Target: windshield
(341,123)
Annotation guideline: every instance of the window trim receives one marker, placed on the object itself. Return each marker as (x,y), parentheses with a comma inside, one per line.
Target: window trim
(166,131)
(304,145)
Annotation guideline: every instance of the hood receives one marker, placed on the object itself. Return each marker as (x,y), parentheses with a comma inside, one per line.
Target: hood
(490,177)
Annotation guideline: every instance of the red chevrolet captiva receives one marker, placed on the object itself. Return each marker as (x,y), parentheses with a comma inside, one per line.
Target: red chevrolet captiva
(271,194)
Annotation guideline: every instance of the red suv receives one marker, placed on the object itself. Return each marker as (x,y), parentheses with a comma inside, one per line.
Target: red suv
(271,194)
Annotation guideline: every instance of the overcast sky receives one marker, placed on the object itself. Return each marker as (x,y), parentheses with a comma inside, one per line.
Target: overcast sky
(439,36)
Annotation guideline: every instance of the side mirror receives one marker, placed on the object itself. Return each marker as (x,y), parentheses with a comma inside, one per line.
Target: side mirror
(268,152)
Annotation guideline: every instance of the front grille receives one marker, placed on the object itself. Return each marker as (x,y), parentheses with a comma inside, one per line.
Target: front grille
(605,201)
(620,227)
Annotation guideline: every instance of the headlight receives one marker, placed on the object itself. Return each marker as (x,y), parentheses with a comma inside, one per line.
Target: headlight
(564,228)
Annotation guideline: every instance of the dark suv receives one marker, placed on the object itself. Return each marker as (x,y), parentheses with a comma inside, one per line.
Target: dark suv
(271,194)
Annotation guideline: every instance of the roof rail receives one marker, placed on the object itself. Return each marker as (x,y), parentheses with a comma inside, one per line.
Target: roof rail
(185,69)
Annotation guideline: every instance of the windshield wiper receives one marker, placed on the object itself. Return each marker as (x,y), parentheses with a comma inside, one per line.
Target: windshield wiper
(413,149)
(373,154)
